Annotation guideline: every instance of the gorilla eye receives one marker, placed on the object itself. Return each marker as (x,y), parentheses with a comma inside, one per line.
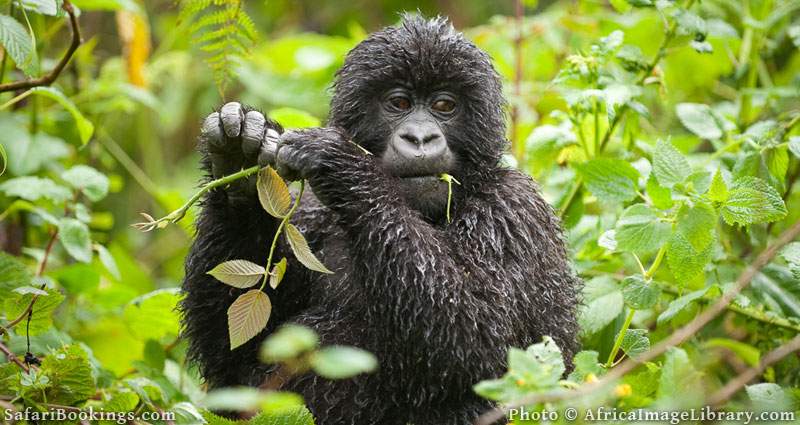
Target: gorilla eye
(400,103)
(444,105)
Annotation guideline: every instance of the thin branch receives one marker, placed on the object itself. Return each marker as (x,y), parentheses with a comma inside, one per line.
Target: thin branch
(677,337)
(13,358)
(720,397)
(50,77)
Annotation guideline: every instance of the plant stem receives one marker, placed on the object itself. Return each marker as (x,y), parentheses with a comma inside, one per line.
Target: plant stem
(620,336)
(279,231)
(656,263)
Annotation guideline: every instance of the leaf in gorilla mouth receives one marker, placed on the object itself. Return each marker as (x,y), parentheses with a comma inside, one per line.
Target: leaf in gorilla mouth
(276,275)
(248,316)
(238,273)
(302,251)
(273,193)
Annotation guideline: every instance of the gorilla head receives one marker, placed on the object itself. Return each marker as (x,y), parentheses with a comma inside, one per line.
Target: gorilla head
(427,102)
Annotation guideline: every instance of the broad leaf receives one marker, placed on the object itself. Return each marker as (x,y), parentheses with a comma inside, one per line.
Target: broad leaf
(42,316)
(13,274)
(276,275)
(679,304)
(699,119)
(340,362)
(635,342)
(669,166)
(107,260)
(302,251)
(273,193)
(238,273)
(794,145)
(74,237)
(16,41)
(247,316)
(34,188)
(640,231)
(690,247)
(602,304)
(718,191)
(791,253)
(610,179)
(71,376)
(154,315)
(89,181)
(586,363)
(660,195)
(85,127)
(752,200)
(287,343)
(638,293)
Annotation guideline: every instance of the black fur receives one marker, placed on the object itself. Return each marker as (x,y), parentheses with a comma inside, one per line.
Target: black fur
(437,303)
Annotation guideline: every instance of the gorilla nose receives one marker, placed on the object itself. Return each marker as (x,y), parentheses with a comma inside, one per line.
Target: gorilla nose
(419,141)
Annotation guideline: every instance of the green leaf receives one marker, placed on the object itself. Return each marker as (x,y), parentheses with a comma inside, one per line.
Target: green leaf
(16,41)
(677,375)
(154,315)
(34,188)
(89,181)
(791,253)
(603,302)
(639,230)
(752,200)
(340,362)
(769,397)
(746,352)
(700,120)
(669,166)
(238,273)
(70,373)
(691,24)
(718,192)
(641,3)
(273,193)
(777,161)
(679,304)
(631,58)
(85,127)
(74,237)
(293,118)
(610,179)
(247,316)
(691,246)
(276,275)
(287,343)
(638,293)
(234,398)
(586,363)
(661,196)
(302,251)
(42,312)
(44,7)
(13,274)
(107,260)
(635,342)
(794,145)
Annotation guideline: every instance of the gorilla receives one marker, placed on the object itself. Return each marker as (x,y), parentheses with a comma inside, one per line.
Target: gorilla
(437,302)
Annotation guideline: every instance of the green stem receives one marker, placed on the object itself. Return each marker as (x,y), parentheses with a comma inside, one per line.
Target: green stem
(656,263)
(16,99)
(279,231)
(620,336)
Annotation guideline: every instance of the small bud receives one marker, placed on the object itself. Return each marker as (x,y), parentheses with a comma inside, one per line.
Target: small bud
(591,378)
(623,390)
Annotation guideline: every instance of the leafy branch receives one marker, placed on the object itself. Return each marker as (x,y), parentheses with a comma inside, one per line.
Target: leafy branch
(51,76)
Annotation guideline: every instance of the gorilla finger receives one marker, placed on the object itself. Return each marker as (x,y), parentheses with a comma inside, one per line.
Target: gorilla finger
(232,118)
(267,153)
(221,165)
(252,133)
(211,132)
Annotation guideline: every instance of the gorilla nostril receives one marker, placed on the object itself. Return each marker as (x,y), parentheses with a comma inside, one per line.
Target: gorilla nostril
(430,138)
(410,138)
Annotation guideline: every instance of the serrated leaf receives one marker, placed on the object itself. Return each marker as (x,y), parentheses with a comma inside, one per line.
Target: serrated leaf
(677,375)
(238,273)
(768,396)
(33,188)
(276,275)
(85,127)
(340,362)
(638,293)
(752,200)
(635,342)
(89,181)
(74,237)
(791,253)
(679,304)
(661,196)
(16,41)
(699,119)
(44,7)
(603,302)
(690,246)
(777,162)
(70,373)
(610,179)
(639,230)
(154,315)
(669,165)
(287,343)
(247,316)
(586,362)
(273,193)
(13,274)
(718,191)
(302,251)
(42,316)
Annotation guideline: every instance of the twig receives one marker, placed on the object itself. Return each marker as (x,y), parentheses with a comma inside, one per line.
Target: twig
(13,358)
(51,76)
(677,337)
(724,394)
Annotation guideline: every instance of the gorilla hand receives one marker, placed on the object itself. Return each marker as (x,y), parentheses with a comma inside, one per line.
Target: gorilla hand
(232,139)
(308,153)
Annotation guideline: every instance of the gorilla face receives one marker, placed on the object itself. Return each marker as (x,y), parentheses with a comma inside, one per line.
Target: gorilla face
(426,101)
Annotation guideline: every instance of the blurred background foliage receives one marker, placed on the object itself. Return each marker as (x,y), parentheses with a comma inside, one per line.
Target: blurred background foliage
(148,72)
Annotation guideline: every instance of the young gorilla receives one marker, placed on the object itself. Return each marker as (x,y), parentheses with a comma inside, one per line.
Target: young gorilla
(438,303)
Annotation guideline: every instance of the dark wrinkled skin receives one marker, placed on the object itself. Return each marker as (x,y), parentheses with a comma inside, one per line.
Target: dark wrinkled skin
(437,303)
